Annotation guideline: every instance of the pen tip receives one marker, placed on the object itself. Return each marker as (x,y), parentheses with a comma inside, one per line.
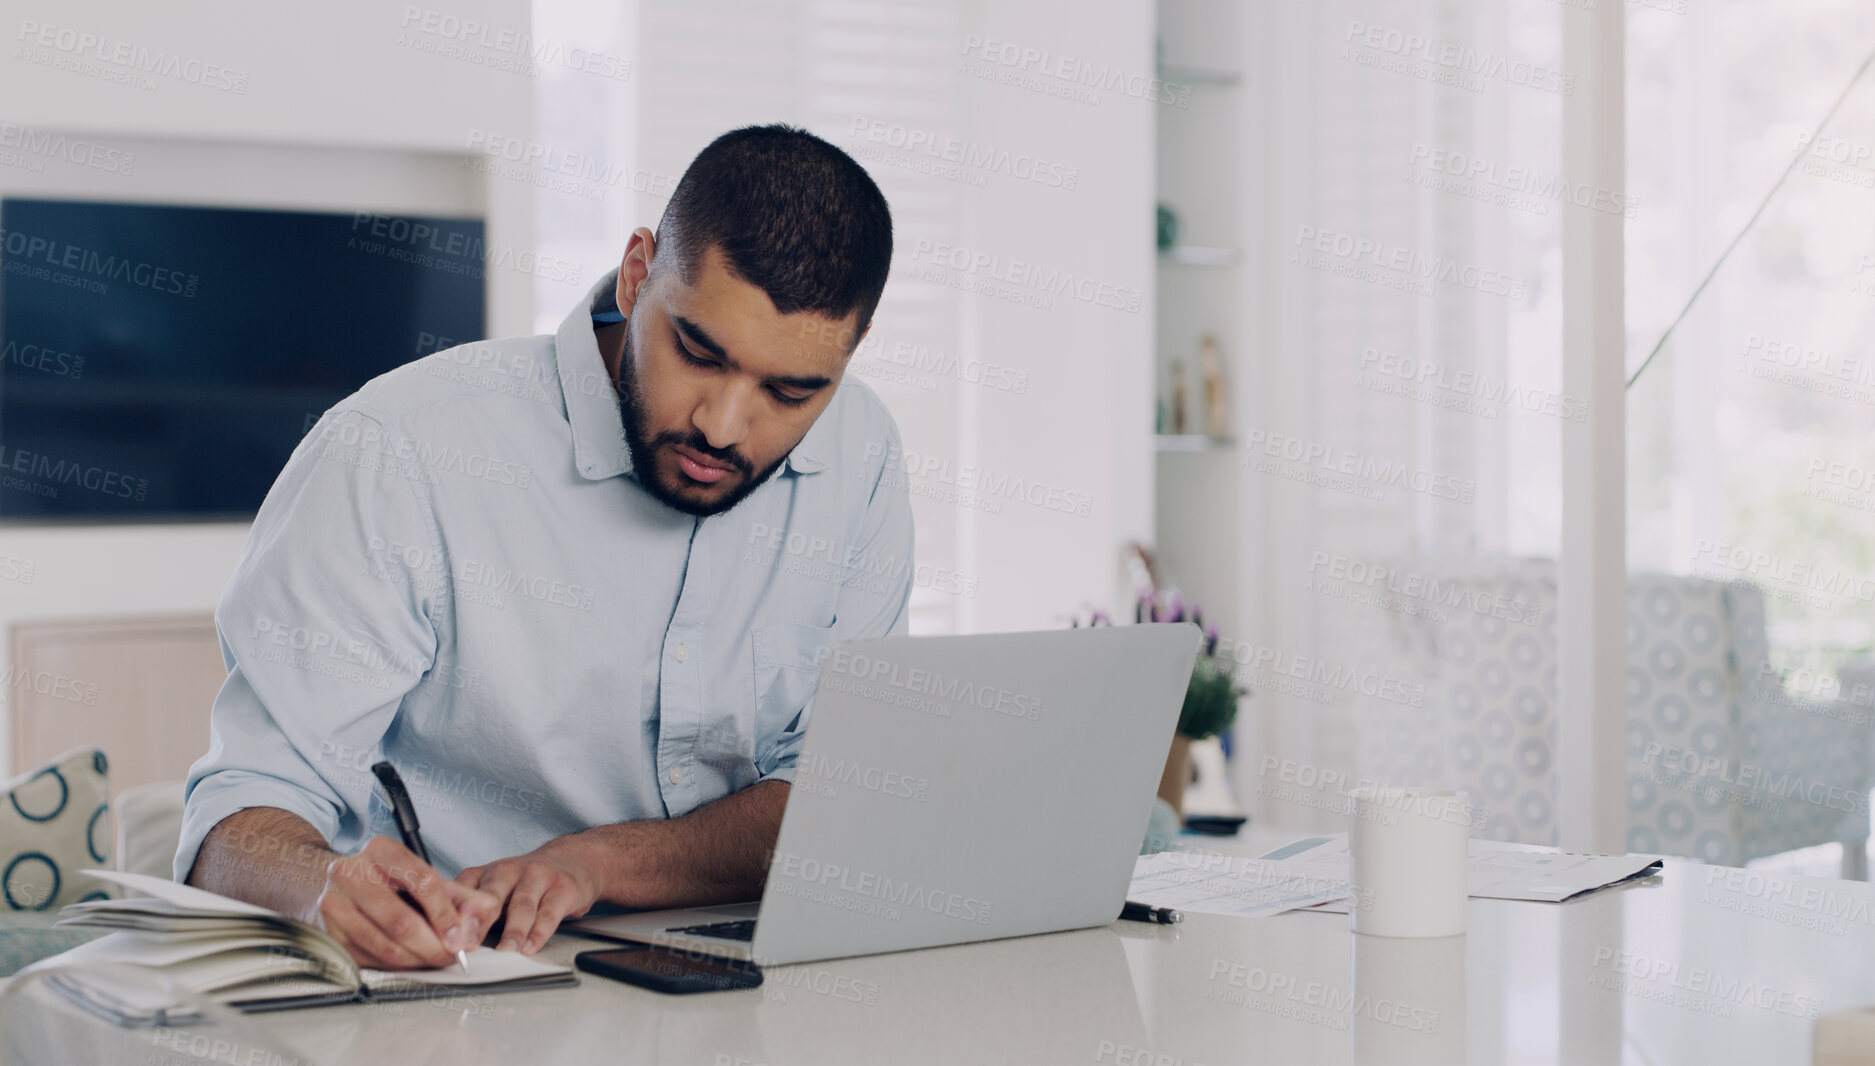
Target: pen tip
(462,957)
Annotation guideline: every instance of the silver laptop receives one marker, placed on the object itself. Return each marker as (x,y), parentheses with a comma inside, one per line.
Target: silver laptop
(955,789)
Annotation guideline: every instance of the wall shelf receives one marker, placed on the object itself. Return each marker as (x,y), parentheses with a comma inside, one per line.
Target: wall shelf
(1214,76)
(1191,442)
(1200,255)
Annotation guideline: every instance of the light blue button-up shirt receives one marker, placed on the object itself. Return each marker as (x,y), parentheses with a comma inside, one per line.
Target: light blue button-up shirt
(458,571)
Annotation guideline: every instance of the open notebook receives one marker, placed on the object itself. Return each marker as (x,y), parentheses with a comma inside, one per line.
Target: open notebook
(177,942)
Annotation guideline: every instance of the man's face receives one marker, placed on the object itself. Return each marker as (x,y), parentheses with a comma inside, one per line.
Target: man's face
(716,386)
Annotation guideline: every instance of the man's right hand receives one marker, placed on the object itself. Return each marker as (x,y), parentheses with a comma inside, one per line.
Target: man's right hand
(361,908)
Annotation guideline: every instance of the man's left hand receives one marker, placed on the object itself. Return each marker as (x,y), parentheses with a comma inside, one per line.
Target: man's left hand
(537,890)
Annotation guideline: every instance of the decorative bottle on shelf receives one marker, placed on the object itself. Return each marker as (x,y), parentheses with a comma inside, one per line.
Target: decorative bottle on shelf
(1178,396)
(1211,367)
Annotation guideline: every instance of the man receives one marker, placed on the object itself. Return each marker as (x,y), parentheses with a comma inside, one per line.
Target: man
(575,587)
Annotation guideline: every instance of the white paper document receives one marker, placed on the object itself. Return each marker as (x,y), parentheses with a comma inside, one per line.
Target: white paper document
(1206,883)
(1497,870)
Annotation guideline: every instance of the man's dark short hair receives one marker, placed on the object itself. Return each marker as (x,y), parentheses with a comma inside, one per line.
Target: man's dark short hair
(793,215)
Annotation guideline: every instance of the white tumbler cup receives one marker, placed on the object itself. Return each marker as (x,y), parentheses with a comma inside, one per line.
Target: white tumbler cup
(1407,850)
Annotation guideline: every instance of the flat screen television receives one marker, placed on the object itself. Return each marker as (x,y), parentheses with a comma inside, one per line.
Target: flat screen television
(161,362)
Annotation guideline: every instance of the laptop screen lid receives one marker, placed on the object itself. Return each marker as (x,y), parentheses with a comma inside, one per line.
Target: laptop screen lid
(962,788)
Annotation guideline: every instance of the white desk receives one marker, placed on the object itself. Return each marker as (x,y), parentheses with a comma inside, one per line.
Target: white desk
(1530,983)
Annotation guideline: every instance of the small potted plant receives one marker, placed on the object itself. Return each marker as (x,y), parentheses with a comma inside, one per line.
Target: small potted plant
(1210,700)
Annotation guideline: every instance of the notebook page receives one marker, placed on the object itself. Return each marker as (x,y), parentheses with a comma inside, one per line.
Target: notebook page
(487,966)
(186,896)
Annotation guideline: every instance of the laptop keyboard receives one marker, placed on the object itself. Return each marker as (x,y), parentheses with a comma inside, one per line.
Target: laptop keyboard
(742,930)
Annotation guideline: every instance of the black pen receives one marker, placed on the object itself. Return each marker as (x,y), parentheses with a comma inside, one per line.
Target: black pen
(1140,912)
(406,814)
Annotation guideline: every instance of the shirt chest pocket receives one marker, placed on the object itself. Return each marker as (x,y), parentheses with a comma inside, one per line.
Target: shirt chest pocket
(787,658)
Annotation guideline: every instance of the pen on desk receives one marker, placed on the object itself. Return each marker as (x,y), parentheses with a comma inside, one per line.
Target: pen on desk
(1140,912)
(406,814)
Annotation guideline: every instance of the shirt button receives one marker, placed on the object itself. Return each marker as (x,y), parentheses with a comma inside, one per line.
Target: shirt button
(676,776)
(682,653)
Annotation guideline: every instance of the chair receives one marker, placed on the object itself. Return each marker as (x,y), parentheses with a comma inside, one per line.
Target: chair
(1724,764)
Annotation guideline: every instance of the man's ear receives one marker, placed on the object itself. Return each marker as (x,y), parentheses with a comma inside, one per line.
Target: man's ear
(635,269)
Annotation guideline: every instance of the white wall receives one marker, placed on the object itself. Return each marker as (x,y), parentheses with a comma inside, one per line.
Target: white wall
(341,111)
(1086,423)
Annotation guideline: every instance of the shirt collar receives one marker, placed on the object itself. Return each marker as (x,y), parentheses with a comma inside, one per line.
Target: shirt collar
(599,449)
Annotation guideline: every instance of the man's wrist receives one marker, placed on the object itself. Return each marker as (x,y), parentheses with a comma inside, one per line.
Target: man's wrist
(606,855)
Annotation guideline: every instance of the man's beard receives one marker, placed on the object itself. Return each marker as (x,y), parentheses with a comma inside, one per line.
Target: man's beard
(644,452)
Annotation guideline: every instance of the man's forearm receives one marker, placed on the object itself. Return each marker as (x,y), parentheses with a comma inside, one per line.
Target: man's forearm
(267,857)
(718,853)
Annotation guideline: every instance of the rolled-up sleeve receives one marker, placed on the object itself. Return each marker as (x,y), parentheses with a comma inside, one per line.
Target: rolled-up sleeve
(883,544)
(328,621)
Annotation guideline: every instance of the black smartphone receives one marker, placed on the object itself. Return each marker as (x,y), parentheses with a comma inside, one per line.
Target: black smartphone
(665,970)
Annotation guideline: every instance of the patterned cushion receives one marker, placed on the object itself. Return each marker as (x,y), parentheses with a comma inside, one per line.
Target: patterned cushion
(1696,659)
(53,823)
(1486,654)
